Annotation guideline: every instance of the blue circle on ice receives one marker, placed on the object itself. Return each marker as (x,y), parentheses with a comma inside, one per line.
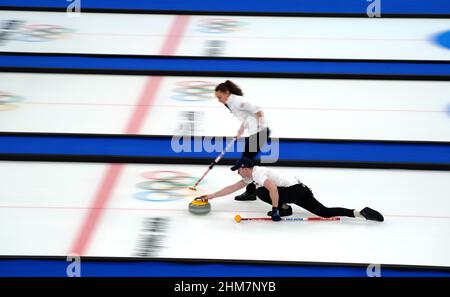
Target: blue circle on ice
(443,39)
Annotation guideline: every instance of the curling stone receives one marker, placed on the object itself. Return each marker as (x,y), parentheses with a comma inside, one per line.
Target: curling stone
(199,207)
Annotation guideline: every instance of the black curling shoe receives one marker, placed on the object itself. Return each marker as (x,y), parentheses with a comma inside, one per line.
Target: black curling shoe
(371,214)
(246,196)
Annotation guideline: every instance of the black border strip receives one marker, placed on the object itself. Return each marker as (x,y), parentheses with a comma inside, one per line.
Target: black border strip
(230,261)
(225,161)
(260,59)
(226,13)
(147,136)
(224,74)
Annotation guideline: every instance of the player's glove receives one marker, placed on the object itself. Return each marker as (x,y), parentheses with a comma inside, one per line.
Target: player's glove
(275,214)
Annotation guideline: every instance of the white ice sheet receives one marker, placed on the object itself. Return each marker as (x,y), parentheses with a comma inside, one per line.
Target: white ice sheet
(45,217)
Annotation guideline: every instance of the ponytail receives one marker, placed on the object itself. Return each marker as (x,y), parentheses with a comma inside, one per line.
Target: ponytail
(229,86)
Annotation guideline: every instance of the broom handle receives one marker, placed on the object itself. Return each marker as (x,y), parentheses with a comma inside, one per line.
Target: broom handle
(215,162)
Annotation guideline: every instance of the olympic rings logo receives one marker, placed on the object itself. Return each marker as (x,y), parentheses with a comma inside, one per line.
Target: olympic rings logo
(7,101)
(194,90)
(164,186)
(41,32)
(220,25)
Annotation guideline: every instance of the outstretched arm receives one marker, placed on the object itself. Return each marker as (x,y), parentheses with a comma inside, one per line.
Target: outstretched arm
(226,191)
(240,131)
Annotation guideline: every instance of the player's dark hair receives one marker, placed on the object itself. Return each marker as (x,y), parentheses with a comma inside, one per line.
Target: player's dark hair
(229,86)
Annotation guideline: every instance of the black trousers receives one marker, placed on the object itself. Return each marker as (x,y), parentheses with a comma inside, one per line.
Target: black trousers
(302,196)
(252,147)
